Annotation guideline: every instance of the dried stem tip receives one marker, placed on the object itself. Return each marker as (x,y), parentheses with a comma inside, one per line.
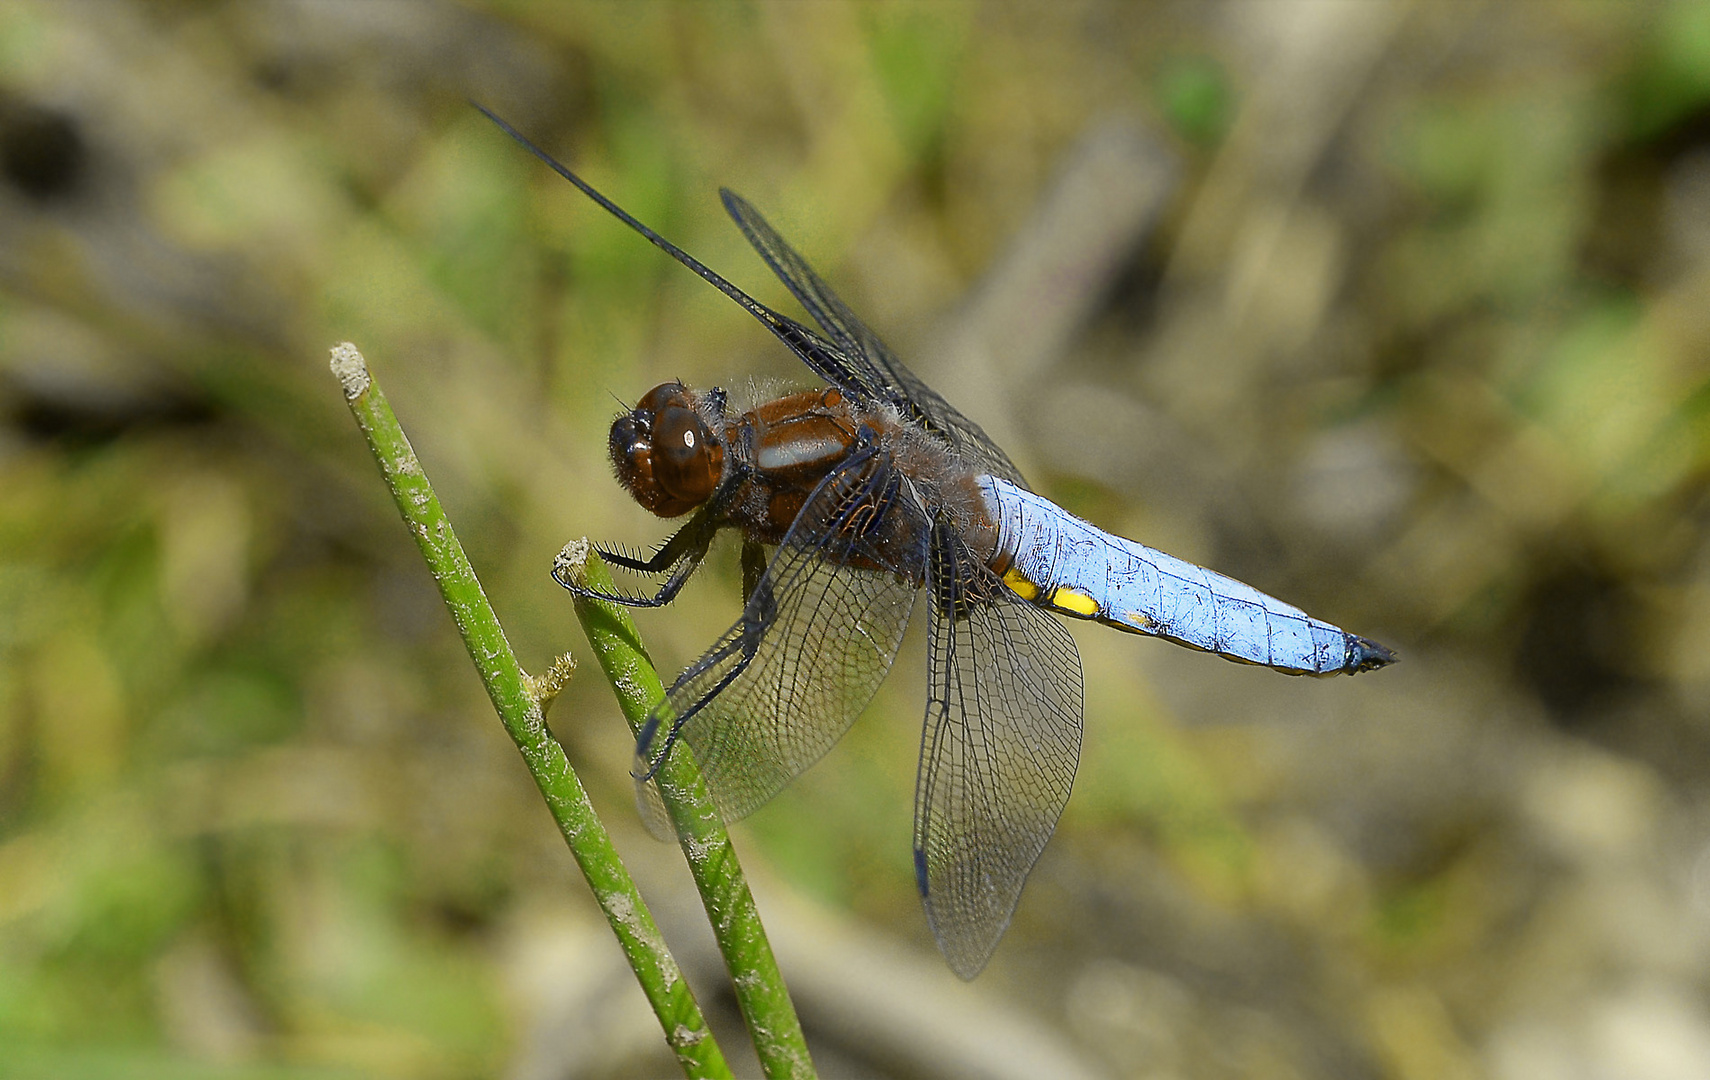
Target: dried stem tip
(350,369)
(571,565)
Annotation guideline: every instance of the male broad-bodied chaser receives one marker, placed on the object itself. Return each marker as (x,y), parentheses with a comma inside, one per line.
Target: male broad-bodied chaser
(869,491)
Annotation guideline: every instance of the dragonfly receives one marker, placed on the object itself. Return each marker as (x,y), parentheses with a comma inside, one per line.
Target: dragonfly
(866,493)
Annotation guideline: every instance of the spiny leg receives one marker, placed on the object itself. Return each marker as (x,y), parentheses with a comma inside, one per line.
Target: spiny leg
(684,551)
(753,566)
(757,615)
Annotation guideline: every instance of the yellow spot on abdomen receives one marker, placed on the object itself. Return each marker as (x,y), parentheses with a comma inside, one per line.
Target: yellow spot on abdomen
(1074,601)
(1020,584)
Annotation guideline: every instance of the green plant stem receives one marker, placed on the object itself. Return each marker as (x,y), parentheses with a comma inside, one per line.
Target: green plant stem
(760,989)
(521,701)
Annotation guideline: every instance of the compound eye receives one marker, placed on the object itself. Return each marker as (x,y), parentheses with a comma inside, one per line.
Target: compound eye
(686,460)
(662,396)
(627,434)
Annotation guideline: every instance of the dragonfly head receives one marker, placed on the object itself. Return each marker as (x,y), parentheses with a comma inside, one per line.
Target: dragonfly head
(665,452)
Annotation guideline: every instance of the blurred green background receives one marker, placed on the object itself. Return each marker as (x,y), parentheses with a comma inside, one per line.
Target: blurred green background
(1400,311)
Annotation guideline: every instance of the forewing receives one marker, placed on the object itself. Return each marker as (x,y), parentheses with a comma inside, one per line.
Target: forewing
(855,360)
(1002,738)
(815,640)
(870,372)
(814,350)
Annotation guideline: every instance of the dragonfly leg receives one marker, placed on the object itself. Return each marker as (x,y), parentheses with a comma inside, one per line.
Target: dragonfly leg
(681,554)
(744,646)
(739,649)
(753,565)
(691,540)
(619,557)
(667,592)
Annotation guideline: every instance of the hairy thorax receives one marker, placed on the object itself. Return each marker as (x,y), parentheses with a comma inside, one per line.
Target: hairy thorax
(678,449)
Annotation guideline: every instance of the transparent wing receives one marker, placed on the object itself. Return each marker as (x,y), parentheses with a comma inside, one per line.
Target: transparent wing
(872,373)
(816,638)
(818,354)
(1003,736)
(855,360)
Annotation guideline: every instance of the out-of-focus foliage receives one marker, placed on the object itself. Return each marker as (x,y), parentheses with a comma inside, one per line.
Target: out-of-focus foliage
(1419,339)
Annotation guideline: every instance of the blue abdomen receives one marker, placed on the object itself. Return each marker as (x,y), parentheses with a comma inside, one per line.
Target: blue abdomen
(1060,562)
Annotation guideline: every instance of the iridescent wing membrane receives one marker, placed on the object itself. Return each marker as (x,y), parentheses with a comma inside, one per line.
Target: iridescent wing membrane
(821,628)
